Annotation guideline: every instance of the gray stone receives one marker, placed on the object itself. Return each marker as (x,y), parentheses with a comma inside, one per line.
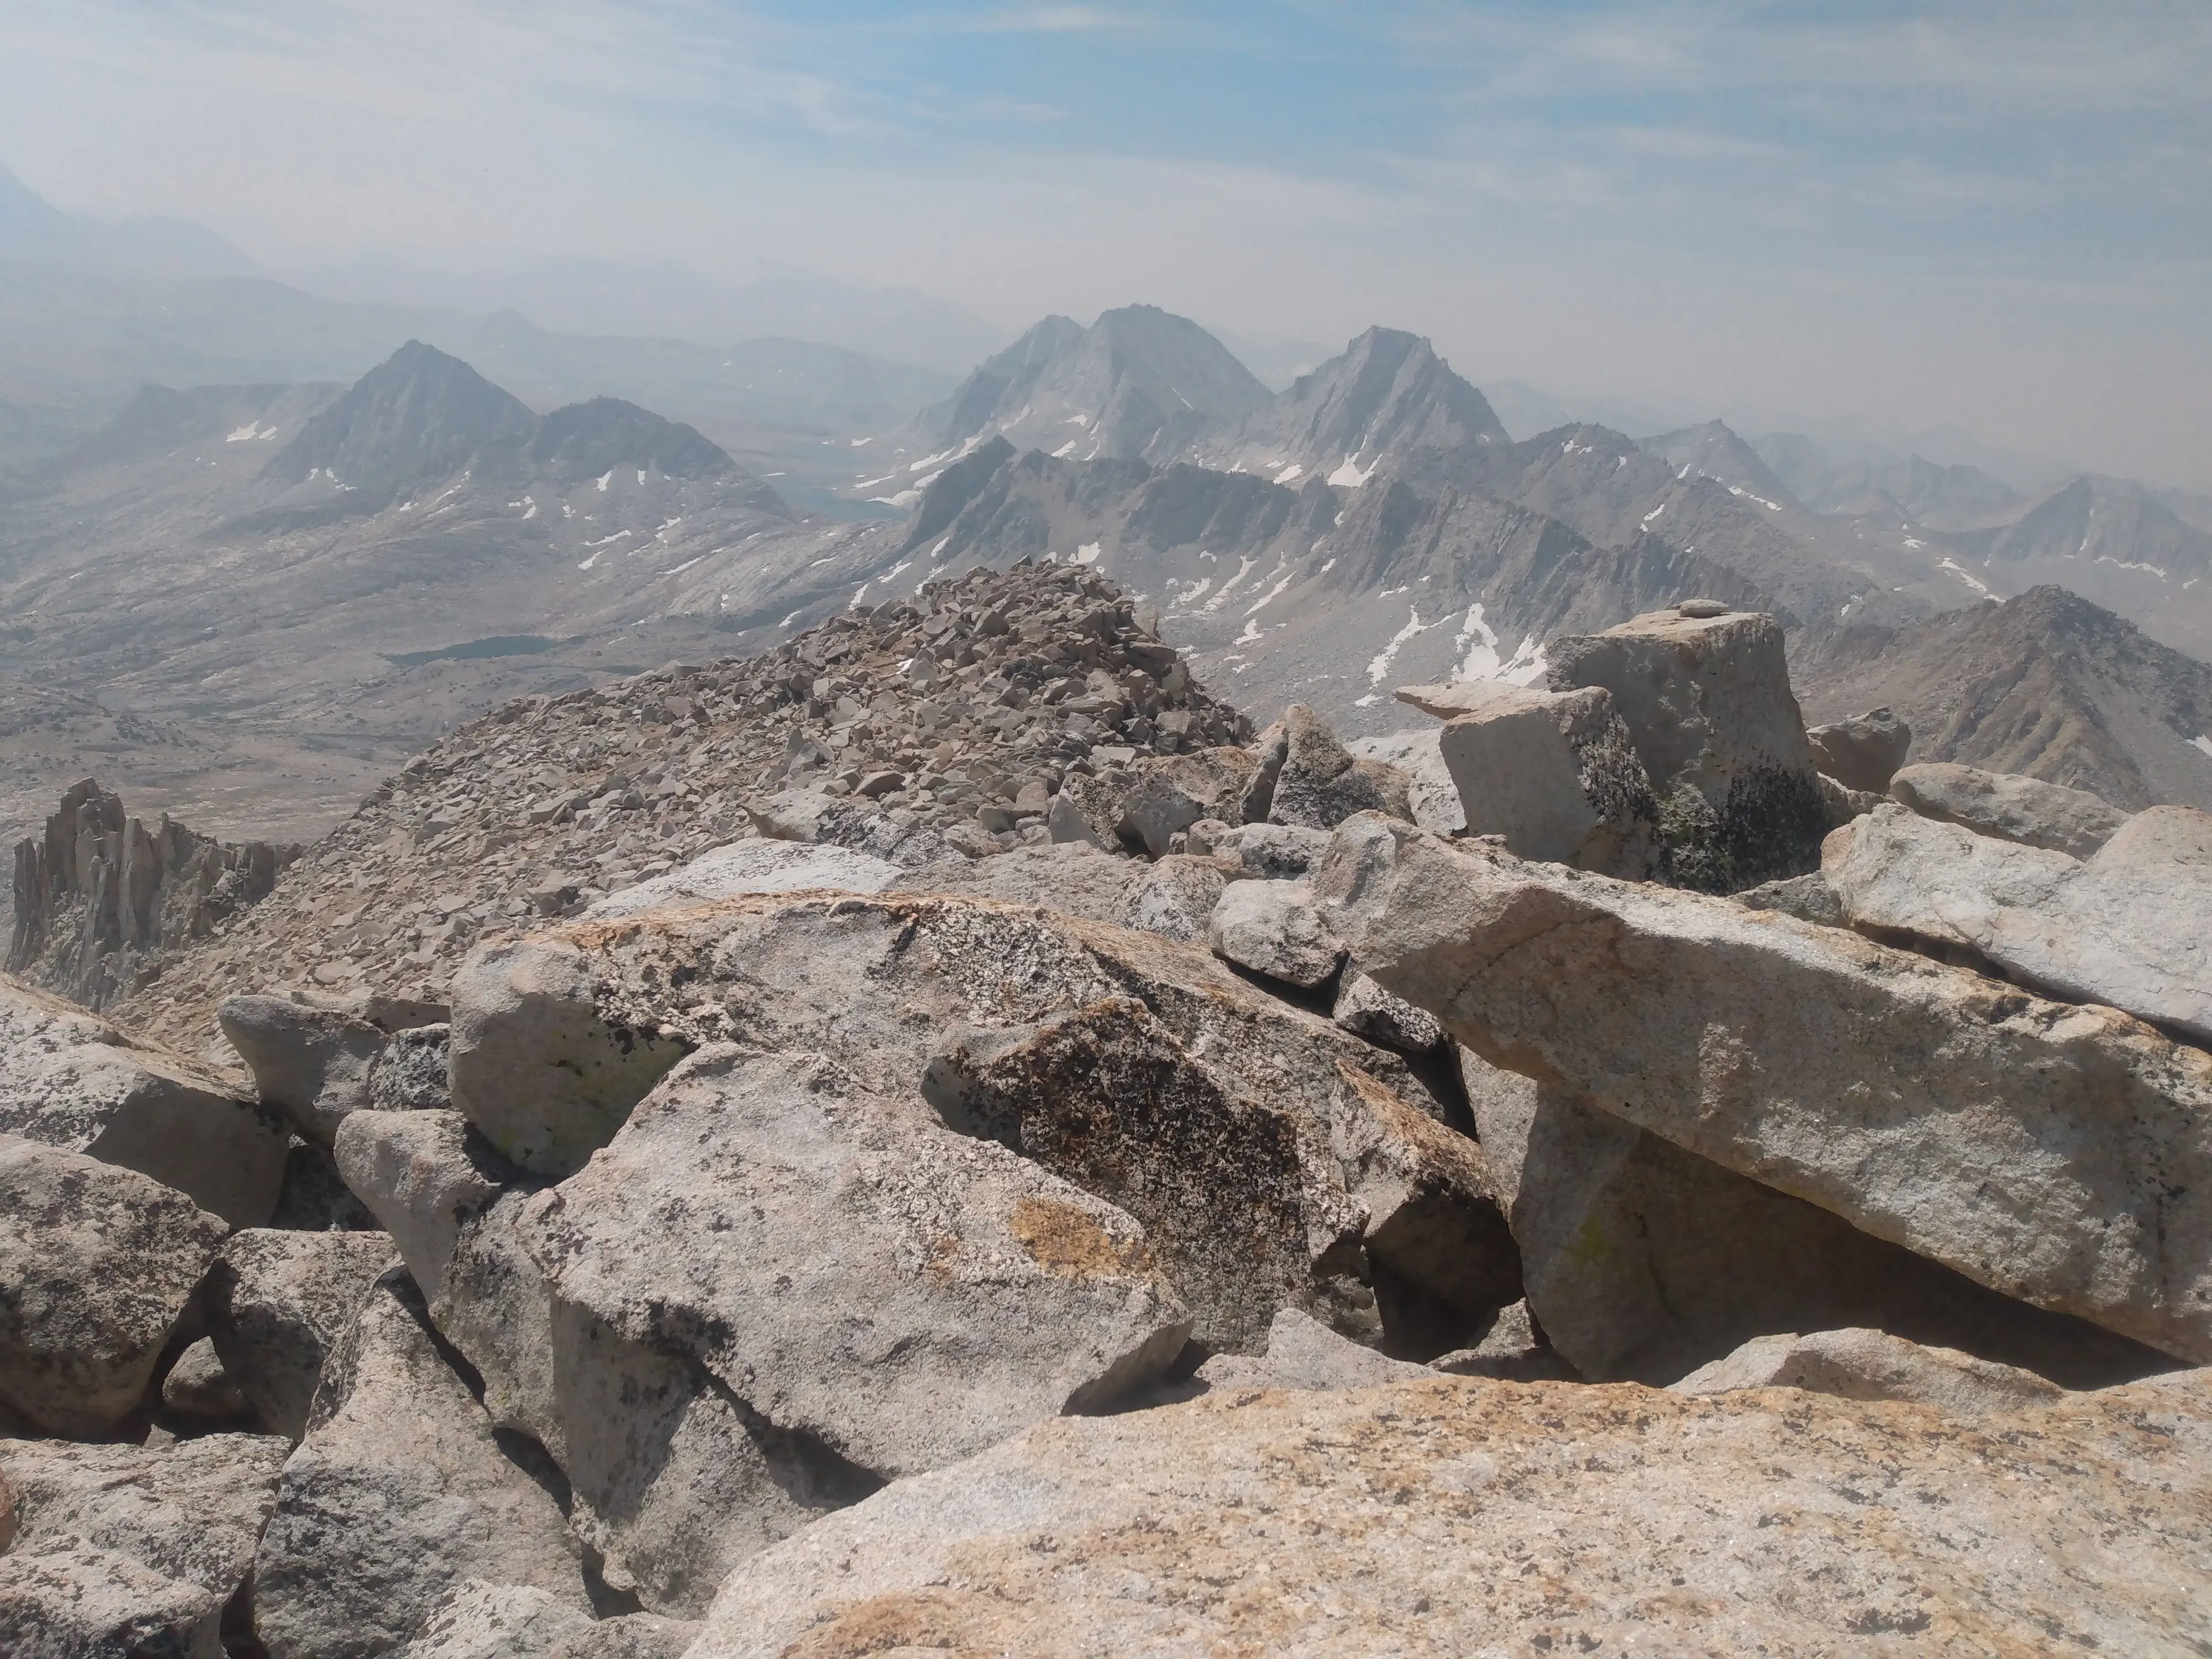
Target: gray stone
(1176,898)
(1863,752)
(1431,792)
(1367,1010)
(1066,823)
(315,1197)
(675,1480)
(2060,1155)
(889,986)
(400,1493)
(793,815)
(1464,1516)
(1552,772)
(763,865)
(69,1079)
(2104,932)
(2008,807)
(97,1266)
(1173,792)
(312,1062)
(1809,898)
(534,1066)
(199,1387)
(1708,705)
(1266,852)
(1644,1261)
(409,1074)
(1273,928)
(1322,784)
(849,1268)
(1868,1365)
(278,1302)
(130,1549)
(1303,1354)
(478,1620)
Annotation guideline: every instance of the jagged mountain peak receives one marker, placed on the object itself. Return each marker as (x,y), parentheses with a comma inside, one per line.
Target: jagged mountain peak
(1713,449)
(1138,381)
(1387,401)
(415,418)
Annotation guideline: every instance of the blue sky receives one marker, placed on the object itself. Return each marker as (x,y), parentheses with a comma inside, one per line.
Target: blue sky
(1995,215)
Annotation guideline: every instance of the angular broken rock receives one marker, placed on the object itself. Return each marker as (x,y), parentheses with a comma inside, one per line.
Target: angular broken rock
(1708,705)
(1554,773)
(409,1074)
(674,1480)
(1321,784)
(1304,1354)
(2110,930)
(1364,1007)
(628,1636)
(1176,898)
(884,984)
(1430,792)
(278,1302)
(1273,928)
(199,1389)
(1864,1364)
(312,1062)
(760,865)
(71,1079)
(400,1493)
(1510,1349)
(2061,1155)
(533,1066)
(1173,792)
(2009,807)
(1644,1261)
(1268,852)
(130,1549)
(1646,1521)
(1863,753)
(97,1265)
(851,1269)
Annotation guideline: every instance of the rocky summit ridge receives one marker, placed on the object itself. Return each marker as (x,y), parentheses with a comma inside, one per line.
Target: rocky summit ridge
(942,1137)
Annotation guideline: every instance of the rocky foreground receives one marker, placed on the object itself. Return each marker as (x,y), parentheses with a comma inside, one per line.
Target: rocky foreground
(941,1138)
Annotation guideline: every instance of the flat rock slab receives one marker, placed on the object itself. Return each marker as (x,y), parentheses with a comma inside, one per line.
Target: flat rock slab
(71,1079)
(2009,807)
(2061,1155)
(2131,928)
(97,1264)
(850,1268)
(1865,1365)
(1644,1261)
(1471,1517)
(763,865)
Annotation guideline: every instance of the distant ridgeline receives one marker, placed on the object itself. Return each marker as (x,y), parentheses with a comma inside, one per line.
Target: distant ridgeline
(101,900)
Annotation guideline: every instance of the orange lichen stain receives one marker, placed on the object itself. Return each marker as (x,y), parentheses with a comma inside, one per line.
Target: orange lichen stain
(1070,1242)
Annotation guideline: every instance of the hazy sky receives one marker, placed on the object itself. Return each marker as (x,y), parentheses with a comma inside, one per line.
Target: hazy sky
(1997,215)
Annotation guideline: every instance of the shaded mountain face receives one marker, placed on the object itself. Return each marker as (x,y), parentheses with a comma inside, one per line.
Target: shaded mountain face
(1931,497)
(1387,402)
(415,419)
(159,420)
(2045,684)
(585,440)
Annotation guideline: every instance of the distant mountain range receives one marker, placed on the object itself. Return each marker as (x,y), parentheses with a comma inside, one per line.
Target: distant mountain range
(344,569)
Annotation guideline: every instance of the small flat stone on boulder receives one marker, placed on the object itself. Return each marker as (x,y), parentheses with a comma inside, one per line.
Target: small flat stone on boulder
(1870,1365)
(2008,807)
